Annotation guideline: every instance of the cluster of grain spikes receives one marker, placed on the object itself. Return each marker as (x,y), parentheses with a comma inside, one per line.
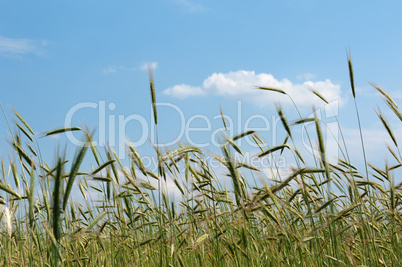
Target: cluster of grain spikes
(320,214)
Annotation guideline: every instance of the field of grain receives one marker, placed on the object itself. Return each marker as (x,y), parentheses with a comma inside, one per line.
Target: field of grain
(322,214)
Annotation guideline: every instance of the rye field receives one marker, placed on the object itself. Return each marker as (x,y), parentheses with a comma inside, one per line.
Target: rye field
(319,214)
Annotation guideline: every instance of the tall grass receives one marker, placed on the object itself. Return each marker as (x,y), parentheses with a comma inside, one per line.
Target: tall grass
(322,214)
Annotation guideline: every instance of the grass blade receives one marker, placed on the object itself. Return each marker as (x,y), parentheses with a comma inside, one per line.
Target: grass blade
(9,190)
(152,88)
(273,150)
(351,76)
(62,130)
(22,120)
(272,89)
(74,169)
(96,220)
(104,165)
(178,152)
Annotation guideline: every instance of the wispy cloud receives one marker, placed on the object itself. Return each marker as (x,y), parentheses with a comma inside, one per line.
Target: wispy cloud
(189,5)
(395,94)
(184,90)
(145,65)
(242,85)
(375,141)
(348,145)
(20,47)
(114,69)
(305,76)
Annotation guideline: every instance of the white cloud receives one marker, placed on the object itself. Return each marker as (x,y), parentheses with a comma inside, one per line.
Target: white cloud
(395,94)
(145,65)
(277,173)
(305,76)
(242,84)
(19,47)
(184,90)
(114,69)
(375,141)
(109,70)
(190,6)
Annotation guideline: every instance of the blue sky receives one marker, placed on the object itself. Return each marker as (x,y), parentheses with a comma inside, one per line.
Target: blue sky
(54,56)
